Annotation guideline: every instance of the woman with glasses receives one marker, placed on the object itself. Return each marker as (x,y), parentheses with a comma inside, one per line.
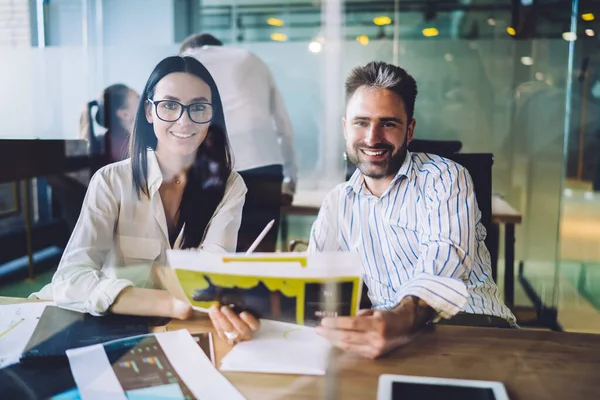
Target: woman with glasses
(178,190)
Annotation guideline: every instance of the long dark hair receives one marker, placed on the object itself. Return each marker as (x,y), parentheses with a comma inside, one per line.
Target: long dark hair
(112,99)
(207,178)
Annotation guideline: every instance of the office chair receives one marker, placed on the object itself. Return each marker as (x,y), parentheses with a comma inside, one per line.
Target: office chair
(67,192)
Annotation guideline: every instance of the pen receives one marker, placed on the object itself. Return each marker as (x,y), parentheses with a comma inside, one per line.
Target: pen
(260,237)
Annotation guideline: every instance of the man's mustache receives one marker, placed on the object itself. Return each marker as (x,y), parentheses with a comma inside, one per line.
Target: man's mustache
(378,146)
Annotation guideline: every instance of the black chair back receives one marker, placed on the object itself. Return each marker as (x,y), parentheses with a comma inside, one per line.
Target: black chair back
(442,148)
(479,166)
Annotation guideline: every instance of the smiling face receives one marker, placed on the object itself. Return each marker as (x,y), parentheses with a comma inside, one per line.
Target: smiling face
(183,137)
(377,132)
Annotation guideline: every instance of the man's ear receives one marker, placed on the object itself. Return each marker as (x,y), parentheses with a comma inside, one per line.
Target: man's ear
(148,108)
(344,125)
(411,130)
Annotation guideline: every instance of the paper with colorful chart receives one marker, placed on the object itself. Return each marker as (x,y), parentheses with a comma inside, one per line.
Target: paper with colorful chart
(164,365)
(287,287)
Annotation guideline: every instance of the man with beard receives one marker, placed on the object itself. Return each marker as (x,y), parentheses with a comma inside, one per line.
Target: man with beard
(412,217)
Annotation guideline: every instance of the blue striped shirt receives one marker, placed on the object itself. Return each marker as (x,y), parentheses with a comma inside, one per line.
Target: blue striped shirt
(423,237)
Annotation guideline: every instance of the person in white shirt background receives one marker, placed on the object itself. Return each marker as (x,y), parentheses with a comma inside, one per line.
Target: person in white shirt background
(412,217)
(178,190)
(260,131)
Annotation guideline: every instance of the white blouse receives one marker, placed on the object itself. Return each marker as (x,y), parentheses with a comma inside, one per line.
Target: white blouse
(119,236)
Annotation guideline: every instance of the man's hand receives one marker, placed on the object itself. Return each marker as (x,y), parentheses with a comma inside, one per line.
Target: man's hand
(375,333)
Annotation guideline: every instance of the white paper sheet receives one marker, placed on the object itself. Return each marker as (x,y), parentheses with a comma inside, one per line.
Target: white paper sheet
(160,370)
(17,323)
(280,348)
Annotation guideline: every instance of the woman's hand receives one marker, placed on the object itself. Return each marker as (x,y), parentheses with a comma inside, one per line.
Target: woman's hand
(150,303)
(233,327)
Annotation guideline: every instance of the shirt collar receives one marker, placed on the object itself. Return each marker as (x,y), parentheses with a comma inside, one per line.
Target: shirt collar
(357,180)
(154,172)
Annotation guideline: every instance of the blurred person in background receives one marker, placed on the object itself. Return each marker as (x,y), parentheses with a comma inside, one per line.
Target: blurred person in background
(261,134)
(116,108)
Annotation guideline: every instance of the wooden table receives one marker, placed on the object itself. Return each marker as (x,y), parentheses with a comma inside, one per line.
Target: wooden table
(308,203)
(531,364)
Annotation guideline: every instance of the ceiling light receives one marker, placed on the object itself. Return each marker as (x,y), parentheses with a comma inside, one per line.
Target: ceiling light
(569,36)
(511,31)
(587,17)
(363,39)
(275,21)
(527,61)
(430,32)
(589,32)
(315,47)
(278,37)
(382,20)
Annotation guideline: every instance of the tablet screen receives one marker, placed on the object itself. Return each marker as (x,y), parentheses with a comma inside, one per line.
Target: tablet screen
(410,391)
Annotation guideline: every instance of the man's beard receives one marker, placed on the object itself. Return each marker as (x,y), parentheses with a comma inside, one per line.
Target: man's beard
(381,169)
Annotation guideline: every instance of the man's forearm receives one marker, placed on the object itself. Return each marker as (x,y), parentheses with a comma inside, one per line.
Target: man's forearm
(416,312)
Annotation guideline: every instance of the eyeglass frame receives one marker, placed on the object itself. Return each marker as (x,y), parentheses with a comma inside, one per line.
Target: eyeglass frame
(183,109)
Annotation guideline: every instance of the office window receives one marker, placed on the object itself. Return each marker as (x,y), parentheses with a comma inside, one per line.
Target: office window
(15,29)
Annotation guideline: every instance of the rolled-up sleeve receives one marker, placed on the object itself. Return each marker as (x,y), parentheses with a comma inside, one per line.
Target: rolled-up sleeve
(447,242)
(79,284)
(222,231)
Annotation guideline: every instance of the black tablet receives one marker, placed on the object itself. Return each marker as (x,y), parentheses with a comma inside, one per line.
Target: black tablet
(396,387)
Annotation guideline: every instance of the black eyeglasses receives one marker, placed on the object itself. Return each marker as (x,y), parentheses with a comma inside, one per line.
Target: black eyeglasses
(171,111)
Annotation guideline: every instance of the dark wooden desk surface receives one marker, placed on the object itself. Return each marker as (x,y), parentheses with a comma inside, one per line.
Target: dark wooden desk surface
(531,364)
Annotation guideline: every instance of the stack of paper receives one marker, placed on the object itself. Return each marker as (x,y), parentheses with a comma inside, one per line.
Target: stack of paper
(17,323)
(280,348)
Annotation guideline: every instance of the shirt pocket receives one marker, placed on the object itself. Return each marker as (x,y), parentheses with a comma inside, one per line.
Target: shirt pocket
(139,248)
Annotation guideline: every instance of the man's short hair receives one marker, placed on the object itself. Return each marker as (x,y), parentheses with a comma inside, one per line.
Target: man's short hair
(199,40)
(378,74)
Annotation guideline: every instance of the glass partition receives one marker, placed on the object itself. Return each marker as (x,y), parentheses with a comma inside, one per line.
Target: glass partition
(488,73)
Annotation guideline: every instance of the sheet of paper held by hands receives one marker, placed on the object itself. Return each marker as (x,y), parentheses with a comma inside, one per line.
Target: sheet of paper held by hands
(286,287)
(17,323)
